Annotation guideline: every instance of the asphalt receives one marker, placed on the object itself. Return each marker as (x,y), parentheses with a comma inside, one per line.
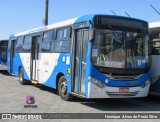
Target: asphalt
(13,99)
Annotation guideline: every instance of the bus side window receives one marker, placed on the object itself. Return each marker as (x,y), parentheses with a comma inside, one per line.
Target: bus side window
(19,48)
(155,44)
(19,45)
(155,47)
(27,44)
(27,39)
(46,47)
(48,38)
(63,33)
(27,48)
(63,40)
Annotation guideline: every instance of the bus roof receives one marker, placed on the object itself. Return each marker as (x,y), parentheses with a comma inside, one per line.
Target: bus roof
(49,27)
(91,17)
(81,19)
(154,24)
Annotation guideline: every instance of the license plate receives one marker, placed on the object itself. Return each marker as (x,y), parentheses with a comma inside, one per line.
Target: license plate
(123,90)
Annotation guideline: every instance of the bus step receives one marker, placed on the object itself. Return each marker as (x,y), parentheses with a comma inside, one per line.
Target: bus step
(78,95)
(34,82)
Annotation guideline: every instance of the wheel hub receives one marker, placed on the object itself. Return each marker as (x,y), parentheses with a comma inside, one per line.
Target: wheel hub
(63,88)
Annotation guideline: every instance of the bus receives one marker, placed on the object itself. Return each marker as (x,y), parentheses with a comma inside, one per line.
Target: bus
(155,55)
(3,54)
(92,56)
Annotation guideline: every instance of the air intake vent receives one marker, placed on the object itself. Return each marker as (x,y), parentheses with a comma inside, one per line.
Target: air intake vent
(117,94)
(128,77)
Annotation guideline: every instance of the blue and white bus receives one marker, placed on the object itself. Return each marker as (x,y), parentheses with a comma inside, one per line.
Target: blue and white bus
(155,54)
(3,54)
(92,56)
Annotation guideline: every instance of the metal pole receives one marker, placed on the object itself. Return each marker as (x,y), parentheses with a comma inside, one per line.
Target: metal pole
(46,12)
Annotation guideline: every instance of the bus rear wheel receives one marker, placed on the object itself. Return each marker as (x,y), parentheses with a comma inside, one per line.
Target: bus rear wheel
(21,77)
(62,89)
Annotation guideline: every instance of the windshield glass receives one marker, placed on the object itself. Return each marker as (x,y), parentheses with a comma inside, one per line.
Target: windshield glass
(120,49)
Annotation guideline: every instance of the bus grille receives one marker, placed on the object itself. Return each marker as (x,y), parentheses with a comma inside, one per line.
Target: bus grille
(118,94)
(129,77)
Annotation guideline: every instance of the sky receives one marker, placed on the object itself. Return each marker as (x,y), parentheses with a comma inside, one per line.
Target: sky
(20,15)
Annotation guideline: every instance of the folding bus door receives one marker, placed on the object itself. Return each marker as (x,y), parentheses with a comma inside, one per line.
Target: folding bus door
(35,57)
(12,54)
(81,44)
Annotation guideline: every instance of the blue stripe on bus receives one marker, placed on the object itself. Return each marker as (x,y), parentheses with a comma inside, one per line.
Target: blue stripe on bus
(88,68)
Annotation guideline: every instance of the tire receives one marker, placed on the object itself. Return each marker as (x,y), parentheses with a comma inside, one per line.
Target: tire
(21,77)
(62,89)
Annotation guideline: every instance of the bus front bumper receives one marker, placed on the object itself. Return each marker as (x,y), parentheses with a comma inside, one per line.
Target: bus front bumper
(114,92)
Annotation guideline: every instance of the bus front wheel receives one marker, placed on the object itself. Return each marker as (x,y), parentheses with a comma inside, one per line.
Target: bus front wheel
(62,89)
(21,77)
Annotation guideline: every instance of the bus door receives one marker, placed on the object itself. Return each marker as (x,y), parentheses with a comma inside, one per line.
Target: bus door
(34,57)
(3,53)
(81,44)
(12,54)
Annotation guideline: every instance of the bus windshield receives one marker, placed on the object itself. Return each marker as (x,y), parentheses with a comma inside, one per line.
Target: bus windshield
(120,49)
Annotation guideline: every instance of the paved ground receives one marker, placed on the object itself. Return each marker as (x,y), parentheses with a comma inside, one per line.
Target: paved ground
(13,98)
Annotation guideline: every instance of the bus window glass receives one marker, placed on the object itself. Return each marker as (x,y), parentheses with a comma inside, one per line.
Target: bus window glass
(61,46)
(85,45)
(27,39)
(66,46)
(120,49)
(46,47)
(62,42)
(59,34)
(20,40)
(63,34)
(26,48)
(19,48)
(48,36)
(155,44)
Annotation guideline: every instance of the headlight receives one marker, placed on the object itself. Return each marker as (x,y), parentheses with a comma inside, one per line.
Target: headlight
(145,83)
(96,82)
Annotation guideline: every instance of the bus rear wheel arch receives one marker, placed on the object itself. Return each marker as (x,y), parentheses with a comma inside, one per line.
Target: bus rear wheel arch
(62,89)
(21,76)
